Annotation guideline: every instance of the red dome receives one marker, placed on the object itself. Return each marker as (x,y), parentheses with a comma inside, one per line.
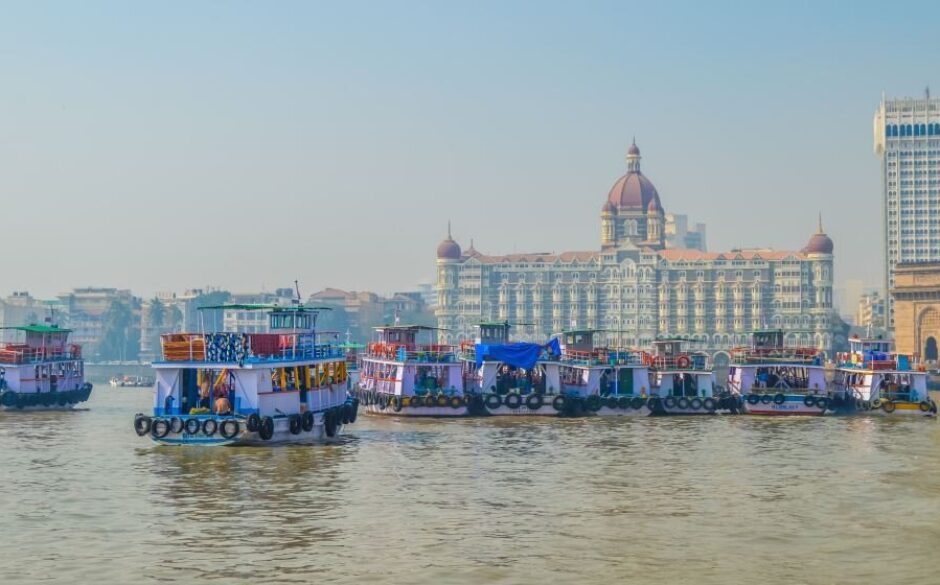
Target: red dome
(633,190)
(448,250)
(819,244)
(634,150)
(653,206)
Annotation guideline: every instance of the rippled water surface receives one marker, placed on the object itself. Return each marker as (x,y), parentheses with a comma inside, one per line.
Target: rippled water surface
(720,500)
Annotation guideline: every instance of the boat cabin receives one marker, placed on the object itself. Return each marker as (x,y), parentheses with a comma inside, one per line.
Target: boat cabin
(40,359)
(875,354)
(288,370)
(398,362)
(586,368)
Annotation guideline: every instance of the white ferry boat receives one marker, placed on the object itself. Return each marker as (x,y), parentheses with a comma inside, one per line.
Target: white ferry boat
(886,382)
(503,378)
(285,386)
(41,370)
(400,376)
(775,380)
(682,382)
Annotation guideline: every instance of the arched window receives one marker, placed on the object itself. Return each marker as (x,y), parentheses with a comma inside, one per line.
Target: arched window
(909,130)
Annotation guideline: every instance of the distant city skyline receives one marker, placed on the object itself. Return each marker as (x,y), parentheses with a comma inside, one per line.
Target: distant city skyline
(331,144)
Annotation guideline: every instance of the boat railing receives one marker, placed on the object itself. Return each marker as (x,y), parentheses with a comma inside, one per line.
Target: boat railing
(680,361)
(878,361)
(21,353)
(751,355)
(405,352)
(603,357)
(242,347)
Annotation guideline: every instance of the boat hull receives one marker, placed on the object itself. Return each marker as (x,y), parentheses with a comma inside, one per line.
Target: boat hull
(792,405)
(417,411)
(903,409)
(11,401)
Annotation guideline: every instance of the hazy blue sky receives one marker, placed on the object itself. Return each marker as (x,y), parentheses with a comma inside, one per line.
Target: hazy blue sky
(175,144)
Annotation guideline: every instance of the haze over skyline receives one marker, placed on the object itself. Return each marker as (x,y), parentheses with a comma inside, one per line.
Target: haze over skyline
(163,147)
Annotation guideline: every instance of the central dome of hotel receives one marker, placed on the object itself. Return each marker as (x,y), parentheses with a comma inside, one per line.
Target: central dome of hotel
(633,190)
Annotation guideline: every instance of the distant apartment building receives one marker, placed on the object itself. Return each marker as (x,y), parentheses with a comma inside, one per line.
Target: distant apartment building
(86,308)
(907,140)
(21,308)
(680,235)
(870,312)
(248,321)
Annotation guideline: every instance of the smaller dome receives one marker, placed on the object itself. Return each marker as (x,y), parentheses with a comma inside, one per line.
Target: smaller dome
(819,244)
(653,207)
(448,250)
(634,150)
(609,208)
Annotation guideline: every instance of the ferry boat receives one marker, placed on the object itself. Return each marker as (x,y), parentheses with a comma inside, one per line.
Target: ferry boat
(886,382)
(130,382)
(285,386)
(400,376)
(41,370)
(682,382)
(776,380)
(512,379)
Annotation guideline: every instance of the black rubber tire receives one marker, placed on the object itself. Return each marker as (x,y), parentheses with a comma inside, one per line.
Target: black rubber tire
(809,401)
(534,401)
(266,428)
(682,403)
(456,402)
(669,402)
(822,402)
(512,400)
(753,398)
(253,422)
(611,402)
(593,403)
(559,403)
(142,424)
(395,403)
(306,421)
(294,424)
(229,429)
(8,398)
(623,402)
(159,429)
(888,406)
(779,398)
(493,401)
(709,404)
(329,423)
(766,399)
(441,400)
(636,403)
(210,426)
(192,426)
(924,406)
(695,403)
(655,404)
(176,424)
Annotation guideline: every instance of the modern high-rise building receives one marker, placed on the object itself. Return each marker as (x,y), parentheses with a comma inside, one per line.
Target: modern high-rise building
(907,139)
(634,288)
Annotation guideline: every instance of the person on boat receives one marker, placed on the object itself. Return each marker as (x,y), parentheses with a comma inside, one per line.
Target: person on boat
(222,405)
(204,395)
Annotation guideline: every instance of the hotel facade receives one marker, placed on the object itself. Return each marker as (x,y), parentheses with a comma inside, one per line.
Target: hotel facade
(636,289)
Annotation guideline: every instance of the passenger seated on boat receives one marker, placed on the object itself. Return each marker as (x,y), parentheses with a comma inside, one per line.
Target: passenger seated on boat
(222,405)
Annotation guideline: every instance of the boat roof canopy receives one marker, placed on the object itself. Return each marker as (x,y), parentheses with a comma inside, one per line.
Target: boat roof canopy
(264,307)
(408,328)
(39,329)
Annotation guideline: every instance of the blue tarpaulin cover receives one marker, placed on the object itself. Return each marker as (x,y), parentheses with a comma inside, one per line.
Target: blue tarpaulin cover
(520,355)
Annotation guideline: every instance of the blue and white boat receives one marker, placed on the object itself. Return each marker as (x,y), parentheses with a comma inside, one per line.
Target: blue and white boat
(41,370)
(399,375)
(285,386)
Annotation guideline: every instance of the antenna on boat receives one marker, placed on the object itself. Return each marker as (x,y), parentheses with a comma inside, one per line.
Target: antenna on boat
(297,288)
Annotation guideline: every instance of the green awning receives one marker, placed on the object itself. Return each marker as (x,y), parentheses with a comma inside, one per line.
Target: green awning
(39,329)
